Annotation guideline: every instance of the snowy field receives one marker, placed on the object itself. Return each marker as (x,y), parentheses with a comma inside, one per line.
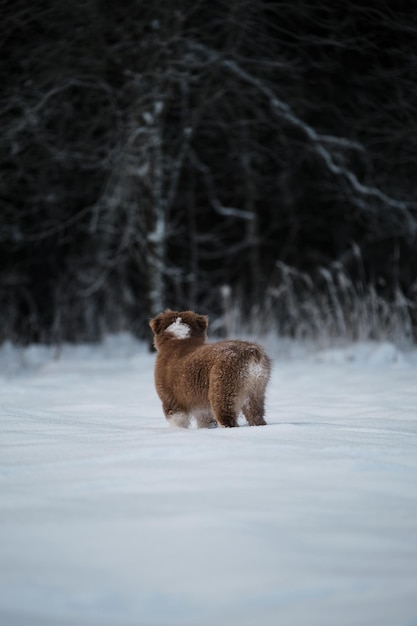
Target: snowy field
(110,518)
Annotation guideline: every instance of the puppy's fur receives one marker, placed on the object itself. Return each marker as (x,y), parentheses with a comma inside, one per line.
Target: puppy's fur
(211,381)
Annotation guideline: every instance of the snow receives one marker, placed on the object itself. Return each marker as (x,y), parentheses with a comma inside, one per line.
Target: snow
(110,517)
(179,329)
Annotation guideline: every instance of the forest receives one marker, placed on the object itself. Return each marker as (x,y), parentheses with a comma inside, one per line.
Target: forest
(252,160)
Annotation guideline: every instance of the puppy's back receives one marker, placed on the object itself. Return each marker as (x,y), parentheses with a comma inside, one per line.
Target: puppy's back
(217,379)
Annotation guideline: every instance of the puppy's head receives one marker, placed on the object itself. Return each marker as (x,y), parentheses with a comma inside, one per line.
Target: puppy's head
(178,326)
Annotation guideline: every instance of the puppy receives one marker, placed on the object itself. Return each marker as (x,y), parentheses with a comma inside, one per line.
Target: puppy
(211,381)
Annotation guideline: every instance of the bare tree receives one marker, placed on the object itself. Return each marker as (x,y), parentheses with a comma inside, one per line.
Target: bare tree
(152,154)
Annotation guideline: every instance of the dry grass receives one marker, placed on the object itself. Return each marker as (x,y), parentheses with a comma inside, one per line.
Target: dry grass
(326,310)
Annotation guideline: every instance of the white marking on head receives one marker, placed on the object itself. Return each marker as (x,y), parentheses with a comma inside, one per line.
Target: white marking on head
(179,329)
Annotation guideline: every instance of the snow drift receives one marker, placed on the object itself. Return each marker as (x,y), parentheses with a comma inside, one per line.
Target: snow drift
(108,517)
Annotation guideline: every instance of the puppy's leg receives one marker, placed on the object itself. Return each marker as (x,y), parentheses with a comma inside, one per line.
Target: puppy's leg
(223,403)
(177,418)
(224,416)
(256,380)
(254,409)
(205,419)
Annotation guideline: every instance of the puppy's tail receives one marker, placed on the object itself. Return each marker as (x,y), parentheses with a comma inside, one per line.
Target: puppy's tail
(258,364)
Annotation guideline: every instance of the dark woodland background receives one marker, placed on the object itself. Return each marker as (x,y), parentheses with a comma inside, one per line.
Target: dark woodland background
(255,160)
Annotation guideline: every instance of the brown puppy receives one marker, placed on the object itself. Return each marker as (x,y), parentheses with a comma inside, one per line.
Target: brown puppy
(211,381)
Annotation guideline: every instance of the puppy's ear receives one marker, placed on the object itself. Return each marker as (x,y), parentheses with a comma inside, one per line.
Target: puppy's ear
(202,322)
(155,324)
(162,320)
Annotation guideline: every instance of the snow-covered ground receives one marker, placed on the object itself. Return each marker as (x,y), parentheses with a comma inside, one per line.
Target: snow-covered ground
(109,517)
